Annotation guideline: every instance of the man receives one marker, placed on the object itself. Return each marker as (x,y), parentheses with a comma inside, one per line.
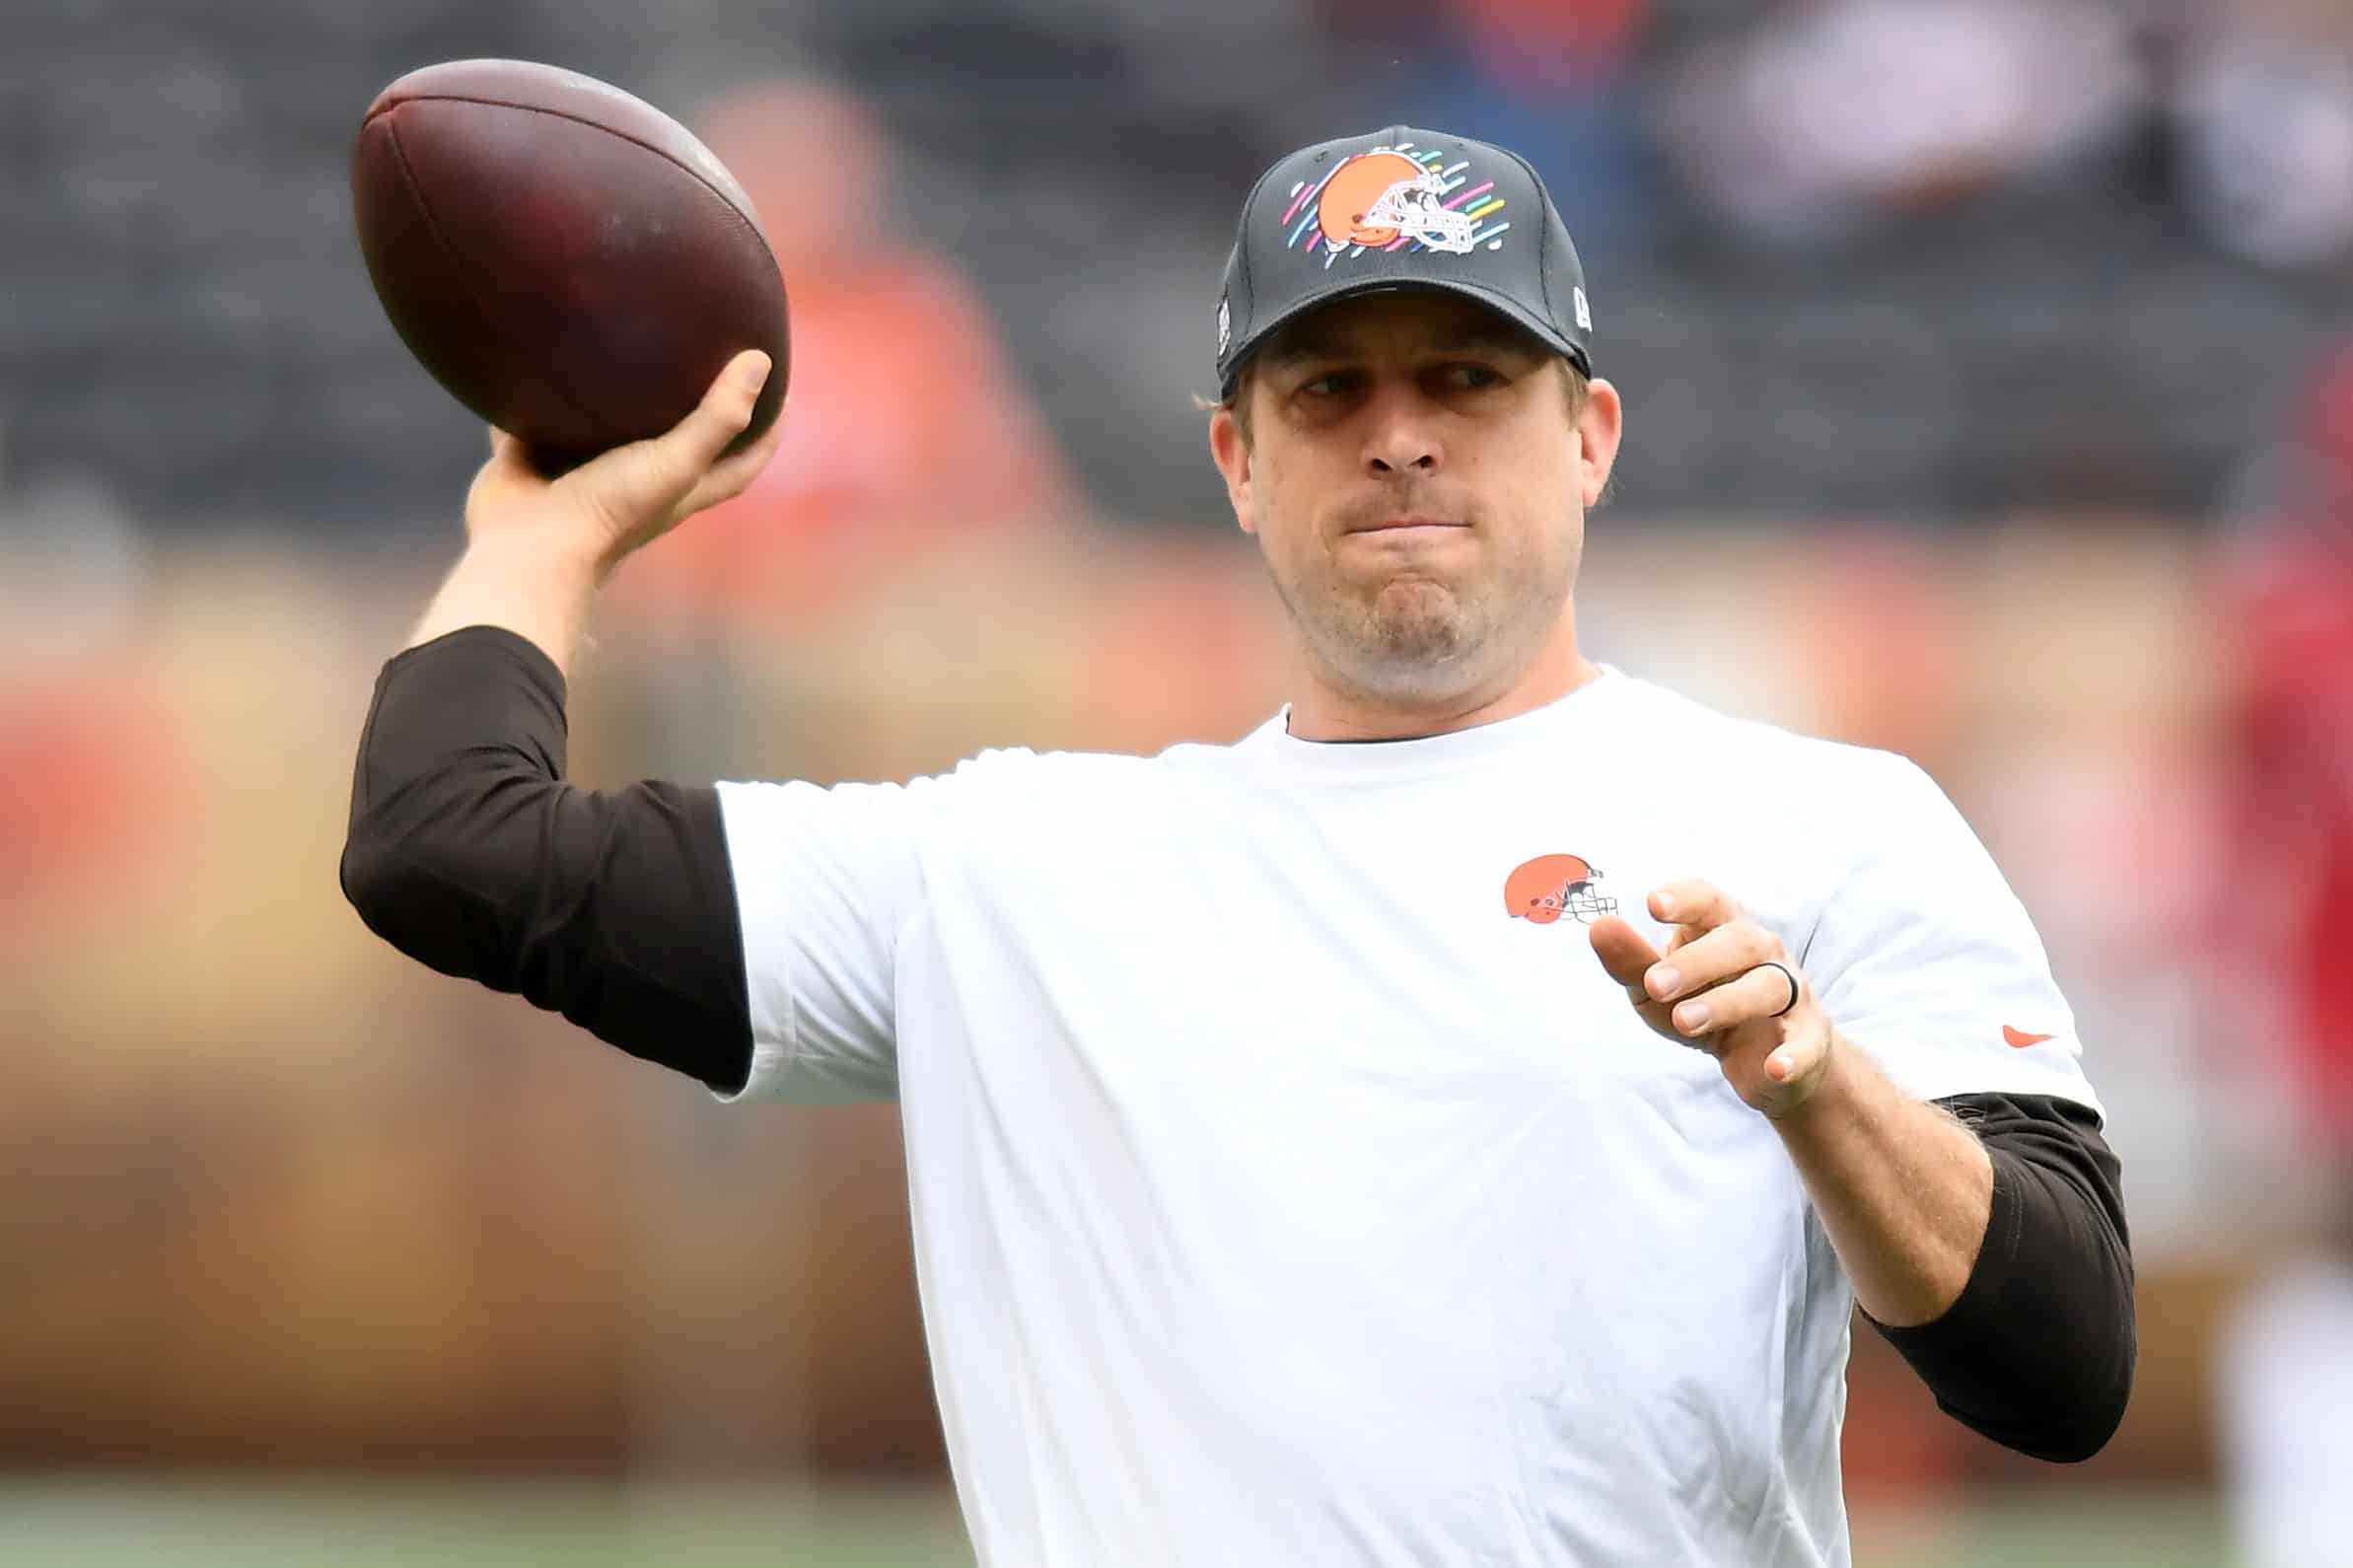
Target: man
(1288,1186)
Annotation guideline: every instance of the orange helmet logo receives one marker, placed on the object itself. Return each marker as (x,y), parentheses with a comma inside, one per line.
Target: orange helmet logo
(1376,198)
(1552,886)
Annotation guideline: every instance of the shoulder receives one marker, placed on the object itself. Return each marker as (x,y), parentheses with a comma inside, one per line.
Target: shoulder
(1793,772)
(1018,769)
(1792,824)
(996,782)
(1056,790)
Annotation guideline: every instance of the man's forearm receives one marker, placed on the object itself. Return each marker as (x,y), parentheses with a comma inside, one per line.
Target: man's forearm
(540,594)
(1902,1187)
(1990,1253)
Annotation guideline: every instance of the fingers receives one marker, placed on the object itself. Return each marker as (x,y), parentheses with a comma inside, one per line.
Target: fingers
(1689,901)
(1624,954)
(733,475)
(1762,992)
(1709,960)
(726,408)
(636,491)
(659,473)
(1799,1060)
(1711,977)
(688,456)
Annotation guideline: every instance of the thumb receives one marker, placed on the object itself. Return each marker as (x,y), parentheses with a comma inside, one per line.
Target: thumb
(1624,953)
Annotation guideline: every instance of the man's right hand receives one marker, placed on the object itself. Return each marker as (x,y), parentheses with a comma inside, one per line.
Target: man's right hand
(599,512)
(537,548)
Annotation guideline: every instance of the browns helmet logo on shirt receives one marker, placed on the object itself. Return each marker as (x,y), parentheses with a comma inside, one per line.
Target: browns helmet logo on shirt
(1548,886)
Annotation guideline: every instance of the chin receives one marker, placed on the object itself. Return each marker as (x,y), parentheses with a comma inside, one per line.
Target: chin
(1418,620)
(1410,642)
(1418,660)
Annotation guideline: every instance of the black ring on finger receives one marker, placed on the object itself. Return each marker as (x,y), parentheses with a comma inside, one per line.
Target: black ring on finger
(1786,974)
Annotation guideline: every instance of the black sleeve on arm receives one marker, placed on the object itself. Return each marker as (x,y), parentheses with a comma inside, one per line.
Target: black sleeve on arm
(468,852)
(2037,1352)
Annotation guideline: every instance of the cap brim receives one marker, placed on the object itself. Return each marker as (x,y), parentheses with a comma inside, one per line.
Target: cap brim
(1494,299)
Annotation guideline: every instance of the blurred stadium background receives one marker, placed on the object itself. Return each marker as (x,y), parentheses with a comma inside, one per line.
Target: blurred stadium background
(1989,367)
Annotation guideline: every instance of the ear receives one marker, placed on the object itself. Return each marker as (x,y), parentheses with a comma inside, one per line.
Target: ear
(1231,453)
(1598,428)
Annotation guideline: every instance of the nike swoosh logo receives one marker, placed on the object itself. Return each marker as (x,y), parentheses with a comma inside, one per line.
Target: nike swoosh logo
(2021,1042)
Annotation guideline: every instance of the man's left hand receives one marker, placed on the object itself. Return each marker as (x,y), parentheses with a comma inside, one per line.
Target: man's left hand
(1716,989)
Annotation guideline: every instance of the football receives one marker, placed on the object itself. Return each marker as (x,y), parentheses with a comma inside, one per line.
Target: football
(567,261)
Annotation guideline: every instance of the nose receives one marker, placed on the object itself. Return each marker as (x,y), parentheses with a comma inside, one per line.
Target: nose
(1400,437)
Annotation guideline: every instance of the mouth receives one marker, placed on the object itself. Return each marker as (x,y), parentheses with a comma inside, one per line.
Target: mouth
(1411,526)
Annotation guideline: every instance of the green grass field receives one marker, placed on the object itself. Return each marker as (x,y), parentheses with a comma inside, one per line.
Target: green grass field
(197,1523)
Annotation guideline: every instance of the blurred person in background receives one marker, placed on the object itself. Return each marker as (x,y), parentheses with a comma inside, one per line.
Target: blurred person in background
(2262,104)
(912,450)
(2285,1371)
(2288,585)
(2284,1382)
(88,763)
(1275,1198)
(1550,78)
(908,425)
(1822,116)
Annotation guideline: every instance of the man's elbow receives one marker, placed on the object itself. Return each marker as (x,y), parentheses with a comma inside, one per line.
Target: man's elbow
(402,891)
(369,875)
(2099,1412)
(2076,1439)
(2075,1418)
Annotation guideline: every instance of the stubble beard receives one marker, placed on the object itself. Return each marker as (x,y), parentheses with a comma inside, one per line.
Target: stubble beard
(1414,639)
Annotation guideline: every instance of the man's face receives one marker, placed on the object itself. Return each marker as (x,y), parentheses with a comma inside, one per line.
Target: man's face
(1418,481)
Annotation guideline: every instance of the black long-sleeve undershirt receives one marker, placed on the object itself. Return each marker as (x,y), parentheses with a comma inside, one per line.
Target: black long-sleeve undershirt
(469,852)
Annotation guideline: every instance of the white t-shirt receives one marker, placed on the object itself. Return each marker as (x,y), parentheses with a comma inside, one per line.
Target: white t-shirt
(1283,1193)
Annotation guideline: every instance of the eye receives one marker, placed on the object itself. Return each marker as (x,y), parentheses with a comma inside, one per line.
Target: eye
(1331,385)
(1471,376)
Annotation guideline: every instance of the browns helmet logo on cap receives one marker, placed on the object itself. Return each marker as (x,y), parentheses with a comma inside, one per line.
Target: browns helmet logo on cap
(1374,198)
(1390,197)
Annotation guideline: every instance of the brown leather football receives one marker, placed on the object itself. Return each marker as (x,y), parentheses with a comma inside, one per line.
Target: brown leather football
(566,260)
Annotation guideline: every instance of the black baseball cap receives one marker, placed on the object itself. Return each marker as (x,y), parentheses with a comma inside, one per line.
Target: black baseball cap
(1400,209)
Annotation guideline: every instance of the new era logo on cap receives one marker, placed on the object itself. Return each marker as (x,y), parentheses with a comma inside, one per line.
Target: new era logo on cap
(1402,209)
